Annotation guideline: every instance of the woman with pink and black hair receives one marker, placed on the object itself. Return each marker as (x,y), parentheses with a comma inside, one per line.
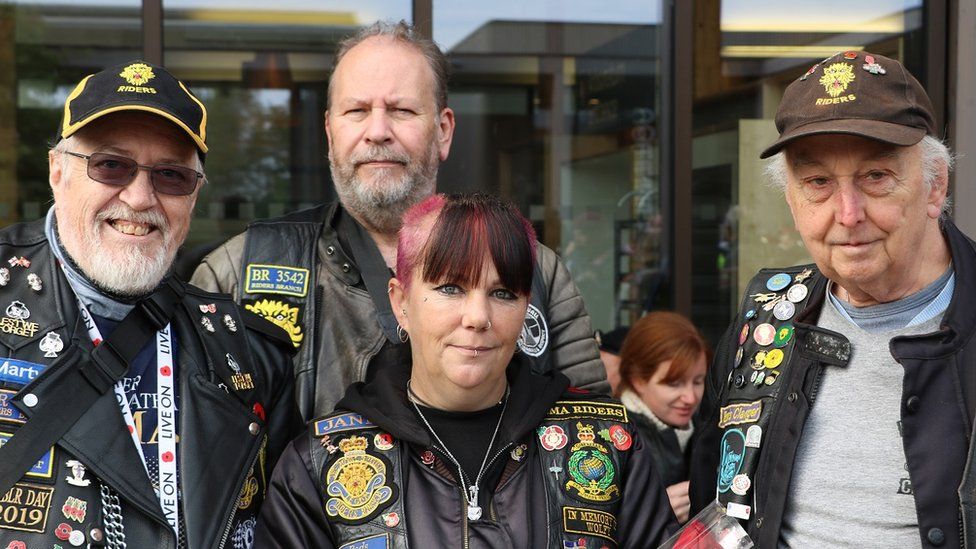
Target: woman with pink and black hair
(465,446)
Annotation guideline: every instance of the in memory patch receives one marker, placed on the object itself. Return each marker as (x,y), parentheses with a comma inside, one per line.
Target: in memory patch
(589,522)
(736,414)
(25,507)
(575,409)
(276,279)
(372,542)
(8,412)
(43,468)
(343,422)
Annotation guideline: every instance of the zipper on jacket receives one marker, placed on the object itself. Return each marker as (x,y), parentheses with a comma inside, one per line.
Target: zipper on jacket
(237,502)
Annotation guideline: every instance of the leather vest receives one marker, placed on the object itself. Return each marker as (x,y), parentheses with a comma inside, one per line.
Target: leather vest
(581,445)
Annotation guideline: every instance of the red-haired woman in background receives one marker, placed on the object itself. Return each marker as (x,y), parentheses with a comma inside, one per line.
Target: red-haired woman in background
(662,373)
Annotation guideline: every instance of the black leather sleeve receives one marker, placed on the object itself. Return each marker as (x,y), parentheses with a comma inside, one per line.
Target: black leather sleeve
(293,516)
(646,518)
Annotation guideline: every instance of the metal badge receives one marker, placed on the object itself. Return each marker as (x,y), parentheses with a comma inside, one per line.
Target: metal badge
(758,361)
(754,436)
(744,334)
(764,334)
(784,310)
(741,484)
(778,281)
(750,314)
(783,335)
(34,282)
(797,293)
(383,441)
(4,276)
(804,274)
(75,509)
(738,358)
(427,457)
(17,310)
(51,345)
(518,453)
(208,308)
(773,359)
(77,477)
(19,262)
(230,324)
(207,324)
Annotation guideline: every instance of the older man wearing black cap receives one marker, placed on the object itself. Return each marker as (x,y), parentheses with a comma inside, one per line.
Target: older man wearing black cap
(134,410)
(839,407)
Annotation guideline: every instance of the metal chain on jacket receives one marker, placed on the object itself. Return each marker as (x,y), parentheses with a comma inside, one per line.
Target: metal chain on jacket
(112,518)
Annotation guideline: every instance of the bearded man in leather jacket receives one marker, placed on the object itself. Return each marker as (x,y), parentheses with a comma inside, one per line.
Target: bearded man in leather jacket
(839,409)
(134,410)
(321,273)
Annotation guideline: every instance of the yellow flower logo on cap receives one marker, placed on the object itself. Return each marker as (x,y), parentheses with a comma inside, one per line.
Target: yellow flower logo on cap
(836,78)
(137,74)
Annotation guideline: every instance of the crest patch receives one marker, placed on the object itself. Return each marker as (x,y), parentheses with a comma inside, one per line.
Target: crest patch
(137,74)
(283,315)
(356,482)
(591,468)
(836,78)
(534,338)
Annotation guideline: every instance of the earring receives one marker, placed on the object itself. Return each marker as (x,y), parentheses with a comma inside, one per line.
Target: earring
(404,311)
(489,324)
(402,334)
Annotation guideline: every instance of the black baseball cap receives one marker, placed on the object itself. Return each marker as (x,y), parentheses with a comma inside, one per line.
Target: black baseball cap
(855,93)
(613,340)
(135,86)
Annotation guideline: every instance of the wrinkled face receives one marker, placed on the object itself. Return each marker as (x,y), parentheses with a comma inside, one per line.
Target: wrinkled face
(863,209)
(674,402)
(386,135)
(454,349)
(124,239)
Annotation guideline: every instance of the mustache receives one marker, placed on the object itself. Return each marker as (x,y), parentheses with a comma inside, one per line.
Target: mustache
(153,218)
(379,153)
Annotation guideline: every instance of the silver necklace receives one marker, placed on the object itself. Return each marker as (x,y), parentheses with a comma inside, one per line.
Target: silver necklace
(474,510)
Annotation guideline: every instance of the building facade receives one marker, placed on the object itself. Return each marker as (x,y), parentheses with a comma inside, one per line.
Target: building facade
(628,134)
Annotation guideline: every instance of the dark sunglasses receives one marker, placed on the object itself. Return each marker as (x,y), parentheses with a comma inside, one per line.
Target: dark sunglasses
(119,171)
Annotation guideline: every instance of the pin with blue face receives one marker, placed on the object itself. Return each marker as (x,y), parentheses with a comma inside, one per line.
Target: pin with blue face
(778,281)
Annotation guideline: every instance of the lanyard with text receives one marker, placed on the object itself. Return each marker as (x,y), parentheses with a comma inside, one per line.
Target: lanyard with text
(166,417)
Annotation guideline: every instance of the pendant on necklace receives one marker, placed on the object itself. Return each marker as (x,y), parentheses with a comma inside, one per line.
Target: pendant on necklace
(474,512)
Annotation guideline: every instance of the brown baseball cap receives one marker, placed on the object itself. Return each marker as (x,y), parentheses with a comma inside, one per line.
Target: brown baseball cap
(855,93)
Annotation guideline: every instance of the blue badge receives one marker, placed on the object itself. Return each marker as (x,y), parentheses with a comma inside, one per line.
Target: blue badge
(344,422)
(276,279)
(44,468)
(733,448)
(9,412)
(19,371)
(778,281)
(373,542)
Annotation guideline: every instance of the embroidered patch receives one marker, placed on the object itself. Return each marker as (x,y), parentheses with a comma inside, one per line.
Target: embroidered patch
(25,507)
(552,437)
(243,536)
(356,482)
(534,338)
(43,468)
(591,468)
(572,409)
(736,414)
(732,449)
(283,315)
(9,412)
(276,279)
(589,522)
(343,422)
(20,371)
(381,541)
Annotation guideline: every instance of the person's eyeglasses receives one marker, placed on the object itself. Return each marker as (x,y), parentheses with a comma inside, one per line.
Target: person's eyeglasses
(119,171)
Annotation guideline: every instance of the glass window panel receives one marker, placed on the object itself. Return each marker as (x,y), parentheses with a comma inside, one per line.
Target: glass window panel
(46,48)
(262,70)
(746,53)
(557,108)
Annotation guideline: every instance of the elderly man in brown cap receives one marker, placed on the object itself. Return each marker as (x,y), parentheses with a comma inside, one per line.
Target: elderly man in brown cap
(839,407)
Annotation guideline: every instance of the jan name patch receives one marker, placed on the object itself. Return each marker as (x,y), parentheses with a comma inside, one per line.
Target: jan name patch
(25,507)
(44,468)
(343,422)
(737,414)
(574,409)
(577,520)
(19,371)
(276,279)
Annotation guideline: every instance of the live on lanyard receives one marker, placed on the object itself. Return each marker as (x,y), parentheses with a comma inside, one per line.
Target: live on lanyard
(165,418)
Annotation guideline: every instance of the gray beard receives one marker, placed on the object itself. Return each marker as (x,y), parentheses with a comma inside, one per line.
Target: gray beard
(380,205)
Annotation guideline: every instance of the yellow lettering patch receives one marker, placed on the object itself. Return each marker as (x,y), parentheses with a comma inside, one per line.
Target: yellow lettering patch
(835,100)
(577,520)
(571,409)
(736,414)
(25,507)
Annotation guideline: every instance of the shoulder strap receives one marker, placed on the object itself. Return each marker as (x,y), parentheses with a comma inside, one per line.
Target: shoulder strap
(81,380)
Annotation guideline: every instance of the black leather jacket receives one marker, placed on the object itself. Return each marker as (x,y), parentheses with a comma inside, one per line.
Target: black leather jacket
(229,441)
(529,504)
(940,372)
